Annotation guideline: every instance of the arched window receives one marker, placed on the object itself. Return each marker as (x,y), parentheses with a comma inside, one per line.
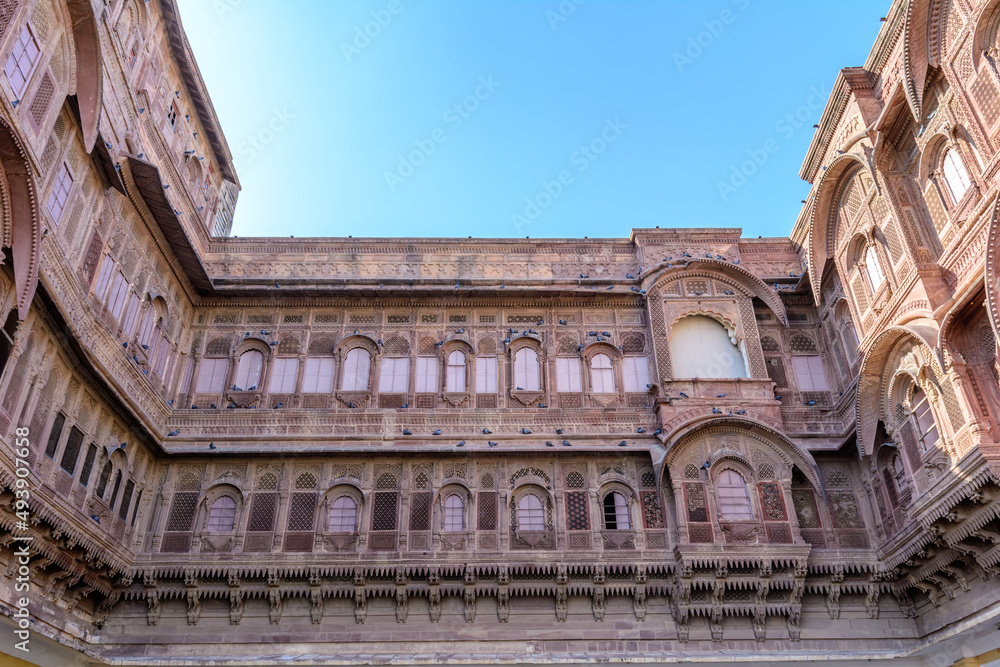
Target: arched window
(222,515)
(530,514)
(357,367)
(248,370)
(899,474)
(455,379)
(734,499)
(926,427)
(700,347)
(102,481)
(602,377)
(343,516)
(955,175)
(454,514)
(873,268)
(526,370)
(616,512)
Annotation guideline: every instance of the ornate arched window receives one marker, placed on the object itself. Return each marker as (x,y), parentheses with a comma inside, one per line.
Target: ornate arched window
(454,514)
(343,515)
(955,175)
(357,367)
(701,347)
(602,375)
(222,515)
(248,371)
(616,515)
(873,268)
(526,376)
(530,513)
(455,378)
(927,430)
(734,498)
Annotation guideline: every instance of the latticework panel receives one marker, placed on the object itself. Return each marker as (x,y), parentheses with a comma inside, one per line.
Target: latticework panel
(262,511)
(778,533)
(420,510)
(182,512)
(384,510)
(652,515)
(700,533)
(844,508)
(804,501)
(487,503)
(577,514)
(694,494)
(575,480)
(776,371)
(301,511)
(800,343)
(661,350)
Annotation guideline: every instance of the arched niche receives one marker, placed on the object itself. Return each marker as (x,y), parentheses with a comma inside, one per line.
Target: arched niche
(22,231)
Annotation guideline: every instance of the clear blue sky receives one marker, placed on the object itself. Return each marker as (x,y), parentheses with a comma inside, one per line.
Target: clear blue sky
(612,97)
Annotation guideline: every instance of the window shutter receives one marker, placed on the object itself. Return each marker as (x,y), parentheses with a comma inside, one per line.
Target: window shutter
(283,372)
(357,367)
(55,434)
(577,512)
(526,370)
(809,372)
(487,504)
(568,375)
(72,451)
(104,278)
(119,291)
(212,376)
(420,510)
(427,382)
(126,500)
(177,537)
(636,374)
(486,375)
(384,510)
(88,466)
(186,378)
(131,312)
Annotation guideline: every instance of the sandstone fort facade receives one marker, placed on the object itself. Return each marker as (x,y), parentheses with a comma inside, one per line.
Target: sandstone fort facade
(684,444)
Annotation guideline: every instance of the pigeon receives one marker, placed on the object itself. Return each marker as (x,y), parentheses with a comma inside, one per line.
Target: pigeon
(166,187)
(506,341)
(685,254)
(579,348)
(736,261)
(542,405)
(635,289)
(709,255)
(658,431)
(121,446)
(719,257)
(265,333)
(461,443)
(502,285)
(437,432)
(728,292)
(640,430)
(405,405)
(698,293)
(622,443)
(460,331)
(518,388)
(716,411)
(351,405)
(532,331)
(563,322)
(280,403)
(648,386)
(194,407)
(95,518)
(559,431)
(277,284)
(170,402)
(135,358)
(722,395)
(777,398)
(621,348)
(605,333)
(706,466)
(630,276)
(406,431)
(539,323)
(173,433)
(273,343)
(439,344)
(491,443)
(525,431)
(548,443)
(566,443)
(145,372)
(486,431)
(683,395)
(513,331)
(741,412)
(211,445)
(811,403)
(212,405)
(584,275)
(457,284)
(730,413)
(609,287)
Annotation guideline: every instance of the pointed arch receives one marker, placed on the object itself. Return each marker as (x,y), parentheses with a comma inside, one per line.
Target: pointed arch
(821,233)
(21,227)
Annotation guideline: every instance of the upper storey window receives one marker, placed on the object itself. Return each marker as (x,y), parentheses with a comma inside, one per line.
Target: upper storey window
(22,60)
(248,370)
(222,515)
(616,512)
(635,374)
(526,370)
(700,347)
(734,499)
(602,376)
(530,514)
(427,375)
(955,175)
(60,193)
(486,375)
(455,379)
(568,378)
(318,375)
(172,114)
(357,367)
(394,374)
(926,426)
(873,268)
